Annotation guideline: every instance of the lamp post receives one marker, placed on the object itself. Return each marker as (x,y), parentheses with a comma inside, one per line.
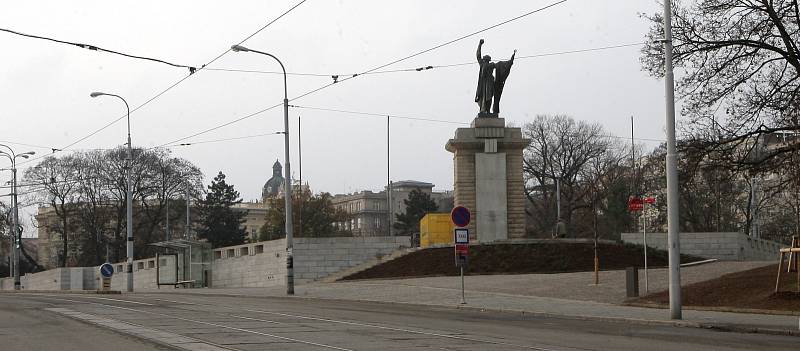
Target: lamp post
(17,241)
(288,180)
(128,196)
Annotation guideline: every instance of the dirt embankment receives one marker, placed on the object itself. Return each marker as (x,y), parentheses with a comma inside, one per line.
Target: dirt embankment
(517,259)
(752,289)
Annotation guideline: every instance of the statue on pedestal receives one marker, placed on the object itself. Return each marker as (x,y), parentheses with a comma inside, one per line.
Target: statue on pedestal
(490,87)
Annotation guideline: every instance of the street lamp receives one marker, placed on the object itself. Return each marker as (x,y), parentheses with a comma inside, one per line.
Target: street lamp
(17,240)
(288,180)
(128,195)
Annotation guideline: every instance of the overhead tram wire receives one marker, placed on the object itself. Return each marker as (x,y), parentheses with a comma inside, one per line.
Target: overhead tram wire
(148,101)
(313,91)
(379,115)
(221,140)
(97,48)
(368,114)
(428,67)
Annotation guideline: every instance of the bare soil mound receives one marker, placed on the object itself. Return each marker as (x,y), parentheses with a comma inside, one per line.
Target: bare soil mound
(555,257)
(752,289)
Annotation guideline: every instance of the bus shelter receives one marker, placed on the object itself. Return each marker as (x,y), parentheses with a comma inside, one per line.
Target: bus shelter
(184,263)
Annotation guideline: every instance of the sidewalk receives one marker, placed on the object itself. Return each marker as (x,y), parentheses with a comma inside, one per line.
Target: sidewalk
(445,291)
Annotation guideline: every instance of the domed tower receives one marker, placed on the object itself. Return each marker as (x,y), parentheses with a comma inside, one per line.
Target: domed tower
(273,186)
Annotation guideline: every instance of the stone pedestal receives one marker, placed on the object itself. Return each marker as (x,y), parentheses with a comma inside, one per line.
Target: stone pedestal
(488,178)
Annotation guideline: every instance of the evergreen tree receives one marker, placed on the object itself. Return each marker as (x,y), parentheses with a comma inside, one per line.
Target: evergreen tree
(318,215)
(417,205)
(219,223)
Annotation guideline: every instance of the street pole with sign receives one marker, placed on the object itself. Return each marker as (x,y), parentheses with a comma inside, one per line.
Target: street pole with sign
(461,216)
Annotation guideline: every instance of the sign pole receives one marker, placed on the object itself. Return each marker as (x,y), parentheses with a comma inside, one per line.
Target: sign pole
(463,301)
(644,234)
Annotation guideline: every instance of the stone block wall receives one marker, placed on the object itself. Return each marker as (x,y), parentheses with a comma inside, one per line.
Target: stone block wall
(516,204)
(73,278)
(260,264)
(317,258)
(144,276)
(726,246)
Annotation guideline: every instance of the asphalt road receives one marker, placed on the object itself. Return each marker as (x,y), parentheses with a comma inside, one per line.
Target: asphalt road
(201,322)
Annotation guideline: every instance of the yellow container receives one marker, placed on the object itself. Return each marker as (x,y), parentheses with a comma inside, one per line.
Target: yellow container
(435,228)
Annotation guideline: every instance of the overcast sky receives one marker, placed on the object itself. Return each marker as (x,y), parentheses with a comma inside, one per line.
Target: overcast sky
(44,94)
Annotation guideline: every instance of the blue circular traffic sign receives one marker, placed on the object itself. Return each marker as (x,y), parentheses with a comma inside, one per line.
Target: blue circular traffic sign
(106,270)
(460,216)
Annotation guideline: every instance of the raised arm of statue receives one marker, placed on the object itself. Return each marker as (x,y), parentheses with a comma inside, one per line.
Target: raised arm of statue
(479,50)
(512,56)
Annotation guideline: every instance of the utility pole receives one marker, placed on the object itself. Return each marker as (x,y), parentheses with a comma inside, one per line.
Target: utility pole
(300,171)
(15,227)
(167,220)
(673,224)
(188,228)
(388,180)
(17,234)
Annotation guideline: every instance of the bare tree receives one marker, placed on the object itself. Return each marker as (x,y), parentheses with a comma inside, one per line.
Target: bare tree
(87,191)
(57,178)
(561,149)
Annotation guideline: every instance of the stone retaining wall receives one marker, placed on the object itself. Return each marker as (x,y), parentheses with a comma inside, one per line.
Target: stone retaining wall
(726,246)
(259,264)
(264,263)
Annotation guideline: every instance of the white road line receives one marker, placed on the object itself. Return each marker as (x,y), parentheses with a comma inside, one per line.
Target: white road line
(109,299)
(253,319)
(172,339)
(173,301)
(404,330)
(214,325)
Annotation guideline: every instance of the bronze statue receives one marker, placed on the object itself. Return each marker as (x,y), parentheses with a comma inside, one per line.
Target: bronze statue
(490,87)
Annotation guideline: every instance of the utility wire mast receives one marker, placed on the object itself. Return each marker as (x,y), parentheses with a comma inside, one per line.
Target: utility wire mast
(673,218)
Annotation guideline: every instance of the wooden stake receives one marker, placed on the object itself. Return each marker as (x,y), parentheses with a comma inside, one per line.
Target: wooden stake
(780,265)
(792,266)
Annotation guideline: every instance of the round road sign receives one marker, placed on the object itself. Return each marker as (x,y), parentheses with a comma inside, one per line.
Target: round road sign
(106,270)
(460,216)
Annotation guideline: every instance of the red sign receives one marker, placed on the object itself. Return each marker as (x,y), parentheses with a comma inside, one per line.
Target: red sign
(462,249)
(635,204)
(650,200)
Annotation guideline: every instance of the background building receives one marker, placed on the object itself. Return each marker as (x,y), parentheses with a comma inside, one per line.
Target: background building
(370,212)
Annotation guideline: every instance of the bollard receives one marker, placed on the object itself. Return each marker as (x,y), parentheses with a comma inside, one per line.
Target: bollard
(632,281)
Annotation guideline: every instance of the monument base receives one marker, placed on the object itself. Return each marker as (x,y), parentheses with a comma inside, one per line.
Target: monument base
(488,178)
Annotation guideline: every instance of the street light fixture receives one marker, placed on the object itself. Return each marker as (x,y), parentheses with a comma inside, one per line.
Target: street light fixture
(287,178)
(17,240)
(128,195)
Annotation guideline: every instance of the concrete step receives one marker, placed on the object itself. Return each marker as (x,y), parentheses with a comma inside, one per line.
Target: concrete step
(368,264)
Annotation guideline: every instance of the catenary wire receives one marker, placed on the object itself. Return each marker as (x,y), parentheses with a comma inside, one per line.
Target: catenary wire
(428,67)
(192,69)
(162,92)
(367,71)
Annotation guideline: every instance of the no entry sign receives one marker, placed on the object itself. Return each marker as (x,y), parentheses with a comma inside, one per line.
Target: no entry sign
(460,216)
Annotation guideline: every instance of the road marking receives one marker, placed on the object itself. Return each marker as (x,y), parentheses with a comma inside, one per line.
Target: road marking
(398,329)
(214,325)
(171,339)
(173,301)
(254,319)
(109,299)
(405,330)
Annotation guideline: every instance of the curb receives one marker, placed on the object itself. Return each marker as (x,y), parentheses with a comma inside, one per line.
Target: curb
(652,322)
(73,292)
(715,309)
